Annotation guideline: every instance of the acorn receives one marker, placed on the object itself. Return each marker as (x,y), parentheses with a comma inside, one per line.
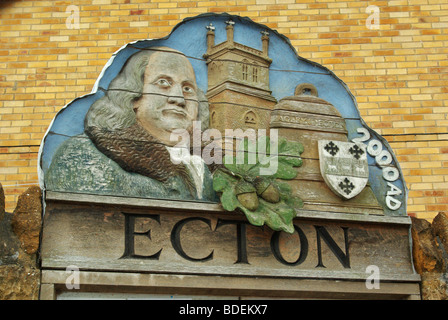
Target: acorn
(247,195)
(267,190)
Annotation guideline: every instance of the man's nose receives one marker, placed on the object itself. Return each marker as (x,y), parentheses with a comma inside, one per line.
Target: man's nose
(176,97)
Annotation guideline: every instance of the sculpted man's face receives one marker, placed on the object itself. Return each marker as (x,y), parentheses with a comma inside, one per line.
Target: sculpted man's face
(169,98)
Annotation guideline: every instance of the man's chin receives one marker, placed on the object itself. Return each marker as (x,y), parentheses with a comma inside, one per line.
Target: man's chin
(172,123)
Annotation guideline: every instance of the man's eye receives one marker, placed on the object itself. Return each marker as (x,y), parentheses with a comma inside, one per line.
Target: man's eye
(163,83)
(188,89)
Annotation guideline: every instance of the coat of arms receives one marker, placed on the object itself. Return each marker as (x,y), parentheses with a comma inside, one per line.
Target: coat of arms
(344,167)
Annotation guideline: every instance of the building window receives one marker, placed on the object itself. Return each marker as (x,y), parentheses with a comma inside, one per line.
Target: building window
(250,119)
(255,74)
(213,119)
(245,69)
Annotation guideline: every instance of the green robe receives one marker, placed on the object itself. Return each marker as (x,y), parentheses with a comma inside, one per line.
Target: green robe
(78,166)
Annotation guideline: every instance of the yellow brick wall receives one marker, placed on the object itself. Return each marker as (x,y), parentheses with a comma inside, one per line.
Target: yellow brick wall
(398,73)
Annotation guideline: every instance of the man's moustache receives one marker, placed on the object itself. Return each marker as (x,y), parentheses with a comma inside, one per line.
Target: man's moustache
(175,110)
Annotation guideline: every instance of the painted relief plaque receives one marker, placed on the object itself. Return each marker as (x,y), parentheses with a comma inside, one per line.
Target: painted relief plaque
(227,74)
(214,151)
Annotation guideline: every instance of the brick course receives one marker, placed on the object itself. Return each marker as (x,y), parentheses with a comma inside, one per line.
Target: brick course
(398,73)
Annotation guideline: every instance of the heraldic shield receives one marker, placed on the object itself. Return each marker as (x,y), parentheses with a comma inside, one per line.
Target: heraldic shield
(344,167)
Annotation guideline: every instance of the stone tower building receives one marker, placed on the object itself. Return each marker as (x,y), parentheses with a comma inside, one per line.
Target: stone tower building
(238,83)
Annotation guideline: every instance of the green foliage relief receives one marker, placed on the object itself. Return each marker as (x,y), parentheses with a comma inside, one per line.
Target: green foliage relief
(264,199)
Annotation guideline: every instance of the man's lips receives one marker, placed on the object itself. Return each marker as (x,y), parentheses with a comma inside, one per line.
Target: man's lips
(175,111)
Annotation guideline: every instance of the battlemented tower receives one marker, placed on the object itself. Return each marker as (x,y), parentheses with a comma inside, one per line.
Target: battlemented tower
(238,83)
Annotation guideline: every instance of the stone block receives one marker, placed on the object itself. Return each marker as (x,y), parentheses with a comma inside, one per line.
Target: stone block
(19,240)
(19,282)
(440,228)
(27,218)
(434,286)
(430,258)
(427,256)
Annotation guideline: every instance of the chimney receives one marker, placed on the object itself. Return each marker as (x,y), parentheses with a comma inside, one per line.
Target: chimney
(210,36)
(229,29)
(265,42)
